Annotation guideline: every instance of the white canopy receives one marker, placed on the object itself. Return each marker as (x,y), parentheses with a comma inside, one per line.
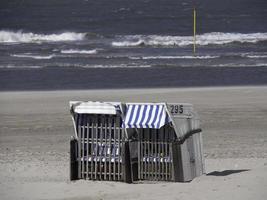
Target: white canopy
(91,107)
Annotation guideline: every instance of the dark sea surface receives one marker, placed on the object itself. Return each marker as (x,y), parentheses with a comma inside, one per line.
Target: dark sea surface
(85,44)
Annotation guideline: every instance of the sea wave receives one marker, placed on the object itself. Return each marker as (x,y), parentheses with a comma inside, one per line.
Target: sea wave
(241,65)
(214,38)
(33,56)
(255,56)
(75,65)
(20,67)
(115,66)
(68,65)
(89,66)
(28,37)
(77,51)
(173,57)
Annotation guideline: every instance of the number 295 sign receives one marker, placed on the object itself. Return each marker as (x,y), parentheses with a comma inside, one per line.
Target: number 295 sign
(176,109)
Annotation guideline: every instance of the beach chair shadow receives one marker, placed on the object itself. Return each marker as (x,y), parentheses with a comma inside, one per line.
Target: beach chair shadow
(226,172)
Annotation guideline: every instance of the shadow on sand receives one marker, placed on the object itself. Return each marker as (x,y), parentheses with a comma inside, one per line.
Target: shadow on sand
(226,172)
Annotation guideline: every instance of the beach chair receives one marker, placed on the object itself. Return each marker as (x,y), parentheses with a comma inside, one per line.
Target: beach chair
(129,142)
(97,150)
(165,141)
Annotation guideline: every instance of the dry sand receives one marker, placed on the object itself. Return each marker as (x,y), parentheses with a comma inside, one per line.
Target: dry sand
(35,128)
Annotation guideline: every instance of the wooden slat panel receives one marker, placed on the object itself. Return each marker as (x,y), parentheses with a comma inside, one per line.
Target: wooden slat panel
(82,145)
(101,146)
(79,146)
(110,147)
(87,149)
(92,149)
(106,147)
(114,150)
(100,139)
(96,146)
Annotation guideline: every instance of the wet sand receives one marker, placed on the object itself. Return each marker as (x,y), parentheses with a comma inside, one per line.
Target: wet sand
(64,78)
(35,128)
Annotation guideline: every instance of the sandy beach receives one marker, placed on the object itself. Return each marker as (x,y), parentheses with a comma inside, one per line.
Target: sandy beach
(35,128)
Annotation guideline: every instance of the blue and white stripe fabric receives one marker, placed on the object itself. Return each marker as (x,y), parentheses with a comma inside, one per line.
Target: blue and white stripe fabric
(145,116)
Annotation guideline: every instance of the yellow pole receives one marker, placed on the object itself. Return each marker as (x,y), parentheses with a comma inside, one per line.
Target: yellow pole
(194,28)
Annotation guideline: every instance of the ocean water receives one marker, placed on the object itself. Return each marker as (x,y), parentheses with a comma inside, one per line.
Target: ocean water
(81,44)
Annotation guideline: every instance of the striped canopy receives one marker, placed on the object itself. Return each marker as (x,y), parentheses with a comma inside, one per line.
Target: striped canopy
(145,116)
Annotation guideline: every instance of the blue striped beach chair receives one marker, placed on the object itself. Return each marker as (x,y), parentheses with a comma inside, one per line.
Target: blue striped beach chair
(167,142)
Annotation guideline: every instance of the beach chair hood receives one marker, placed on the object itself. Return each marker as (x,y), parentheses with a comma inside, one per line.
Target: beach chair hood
(146,115)
(91,107)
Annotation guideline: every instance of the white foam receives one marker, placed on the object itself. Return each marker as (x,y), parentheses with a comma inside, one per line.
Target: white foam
(19,67)
(128,43)
(173,57)
(23,37)
(256,56)
(241,65)
(225,38)
(77,51)
(261,65)
(115,66)
(68,65)
(89,66)
(215,38)
(33,56)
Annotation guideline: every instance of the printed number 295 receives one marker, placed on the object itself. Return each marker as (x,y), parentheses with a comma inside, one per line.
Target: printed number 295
(175,109)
